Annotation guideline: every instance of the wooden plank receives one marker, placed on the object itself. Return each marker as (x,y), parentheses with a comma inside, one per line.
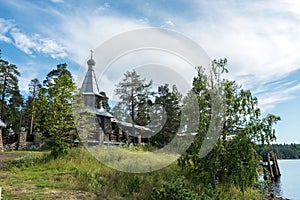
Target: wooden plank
(276,166)
(269,160)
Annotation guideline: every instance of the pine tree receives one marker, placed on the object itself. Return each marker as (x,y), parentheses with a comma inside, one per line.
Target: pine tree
(34,88)
(8,82)
(61,69)
(170,101)
(55,104)
(134,94)
(13,116)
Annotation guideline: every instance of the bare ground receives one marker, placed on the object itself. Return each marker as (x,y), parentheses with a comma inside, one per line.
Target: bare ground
(7,156)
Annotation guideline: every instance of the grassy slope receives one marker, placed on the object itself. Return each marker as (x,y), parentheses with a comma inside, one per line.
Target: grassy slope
(80,176)
(32,177)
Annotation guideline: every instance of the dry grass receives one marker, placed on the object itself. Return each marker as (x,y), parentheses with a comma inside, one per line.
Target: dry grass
(133,161)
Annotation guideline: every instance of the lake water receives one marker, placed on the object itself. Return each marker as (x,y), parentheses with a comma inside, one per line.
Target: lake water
(288,185)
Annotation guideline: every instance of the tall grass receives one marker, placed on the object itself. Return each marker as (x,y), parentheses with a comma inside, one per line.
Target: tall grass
(109,183)
(39,175)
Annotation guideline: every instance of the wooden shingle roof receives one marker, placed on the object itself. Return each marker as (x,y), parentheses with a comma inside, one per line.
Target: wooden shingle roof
(89,85)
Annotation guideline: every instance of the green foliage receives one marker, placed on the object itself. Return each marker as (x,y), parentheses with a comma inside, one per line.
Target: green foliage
(23,162)
(170,102)
(231,192)
(55,105)
(41,175)
(174,189)
(13,113)
(61,69)
(181,189)
(9,86)
(232,162)
(233,159)
(240,166)
(31,111)
(283,151)
(58,146)
(135,98)
(105,104)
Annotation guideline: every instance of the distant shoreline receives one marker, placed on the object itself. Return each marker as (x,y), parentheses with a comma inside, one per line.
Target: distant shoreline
(284,151)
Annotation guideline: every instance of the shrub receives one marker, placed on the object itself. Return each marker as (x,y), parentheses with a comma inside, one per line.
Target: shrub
(175,189)
(58,147)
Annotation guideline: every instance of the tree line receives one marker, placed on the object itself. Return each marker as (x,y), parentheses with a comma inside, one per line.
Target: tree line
(31,112)
(285,151)
(12,103)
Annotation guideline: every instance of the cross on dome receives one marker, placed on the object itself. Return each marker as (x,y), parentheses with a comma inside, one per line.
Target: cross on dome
(91,53)
(91,61)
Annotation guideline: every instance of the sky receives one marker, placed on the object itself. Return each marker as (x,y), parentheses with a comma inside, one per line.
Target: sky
(260,40)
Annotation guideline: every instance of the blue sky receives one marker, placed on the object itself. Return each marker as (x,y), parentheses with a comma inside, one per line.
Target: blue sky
(260,39)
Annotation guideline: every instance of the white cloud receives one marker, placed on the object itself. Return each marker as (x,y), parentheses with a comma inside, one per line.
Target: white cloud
(169,23)
(29,43)
(253,45)
(260,39)
(57,1)
(49,46)
(90,31)
(106,4)
(270,98)
(103,7)
(22,41)
(5,26)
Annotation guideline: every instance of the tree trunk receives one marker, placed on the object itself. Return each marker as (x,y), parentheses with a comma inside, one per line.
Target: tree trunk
(3,96)
(132,115)
(33,112)
(1,141)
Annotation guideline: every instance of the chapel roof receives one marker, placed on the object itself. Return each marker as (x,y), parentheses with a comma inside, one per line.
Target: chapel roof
(89,85)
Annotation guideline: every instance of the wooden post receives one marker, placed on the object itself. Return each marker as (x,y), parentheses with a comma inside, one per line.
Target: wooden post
(269,166)
(22,139)
(275,166)
(37,140)
(1,141)
(127,137)
(120,133)
(139,139)
(101,137)
(279,174)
